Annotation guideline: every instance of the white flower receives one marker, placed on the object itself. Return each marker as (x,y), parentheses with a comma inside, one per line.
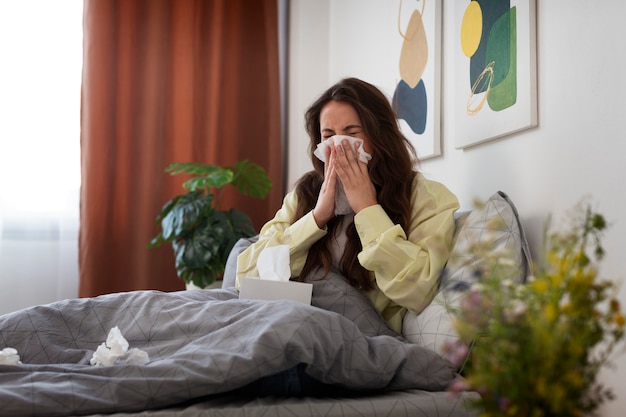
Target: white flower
(515,310)
(506,261)
(507,283)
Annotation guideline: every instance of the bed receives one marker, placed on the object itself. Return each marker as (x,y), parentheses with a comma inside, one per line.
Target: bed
(205,345)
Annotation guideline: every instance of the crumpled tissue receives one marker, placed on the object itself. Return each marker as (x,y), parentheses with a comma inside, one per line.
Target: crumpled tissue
(273,263)
(341,201)
(9,356)
(115,352)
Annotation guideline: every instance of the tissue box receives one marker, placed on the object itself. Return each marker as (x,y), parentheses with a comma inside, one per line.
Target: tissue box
(262,289)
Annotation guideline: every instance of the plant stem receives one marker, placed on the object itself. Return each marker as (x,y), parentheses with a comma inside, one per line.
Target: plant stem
(218,198)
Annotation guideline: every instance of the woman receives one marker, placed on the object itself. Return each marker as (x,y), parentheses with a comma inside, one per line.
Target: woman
(395,240)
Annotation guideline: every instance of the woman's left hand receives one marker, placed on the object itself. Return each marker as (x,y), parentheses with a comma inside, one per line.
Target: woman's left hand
(354,176)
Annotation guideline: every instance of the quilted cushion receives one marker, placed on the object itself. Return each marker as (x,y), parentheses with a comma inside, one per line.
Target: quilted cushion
(495,224)
(230,269)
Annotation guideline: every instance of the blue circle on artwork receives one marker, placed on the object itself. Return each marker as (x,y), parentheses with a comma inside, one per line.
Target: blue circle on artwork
(411,106)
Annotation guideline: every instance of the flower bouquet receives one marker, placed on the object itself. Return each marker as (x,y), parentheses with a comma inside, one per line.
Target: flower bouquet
(536,348)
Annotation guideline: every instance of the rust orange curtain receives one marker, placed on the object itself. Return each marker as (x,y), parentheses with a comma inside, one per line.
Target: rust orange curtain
(169,81)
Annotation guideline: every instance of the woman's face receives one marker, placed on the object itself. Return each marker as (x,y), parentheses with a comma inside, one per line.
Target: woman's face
(339,118)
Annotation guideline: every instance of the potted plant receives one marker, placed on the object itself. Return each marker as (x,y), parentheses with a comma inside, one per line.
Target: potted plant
(201,234)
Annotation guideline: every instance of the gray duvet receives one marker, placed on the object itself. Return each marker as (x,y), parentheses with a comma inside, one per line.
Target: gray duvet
(201,343)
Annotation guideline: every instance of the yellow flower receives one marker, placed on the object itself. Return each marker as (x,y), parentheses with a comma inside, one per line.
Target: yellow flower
(619,320)
(549,312)
(557,279)
(574,379)
(540,286)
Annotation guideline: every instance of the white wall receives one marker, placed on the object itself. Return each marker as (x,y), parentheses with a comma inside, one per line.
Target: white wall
(576,151)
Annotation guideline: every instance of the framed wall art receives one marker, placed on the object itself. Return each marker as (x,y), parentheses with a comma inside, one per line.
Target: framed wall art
(395,45)
(495,70)
(416,94)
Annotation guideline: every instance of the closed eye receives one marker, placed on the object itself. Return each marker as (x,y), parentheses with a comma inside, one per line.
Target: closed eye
(327,133)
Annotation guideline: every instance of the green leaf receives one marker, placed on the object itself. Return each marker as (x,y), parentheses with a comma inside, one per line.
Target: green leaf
(215,179)
(240,226)
(167,207)
(251,179)
(204,175)
(156,241)
(241,223)
(185,214)
(165,211)
(193,168)
(200,261)
(206,276)
(202,246)
(198,255)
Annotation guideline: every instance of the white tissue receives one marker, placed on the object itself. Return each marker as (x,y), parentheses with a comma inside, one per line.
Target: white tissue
(342,206)
(273,263)
(115,351)
(9,356)
(320,150)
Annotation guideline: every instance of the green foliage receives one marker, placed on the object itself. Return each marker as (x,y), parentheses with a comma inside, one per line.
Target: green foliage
(537,348)
(201,235)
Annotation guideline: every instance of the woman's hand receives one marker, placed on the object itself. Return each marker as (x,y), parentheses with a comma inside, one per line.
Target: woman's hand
(354,176)
(325,207)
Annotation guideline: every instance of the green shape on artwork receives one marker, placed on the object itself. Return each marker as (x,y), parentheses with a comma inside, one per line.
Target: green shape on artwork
(503,92)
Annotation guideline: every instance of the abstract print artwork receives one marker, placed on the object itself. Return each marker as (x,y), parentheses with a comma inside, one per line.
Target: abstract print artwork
(495,69)
(416,94)
(395,45)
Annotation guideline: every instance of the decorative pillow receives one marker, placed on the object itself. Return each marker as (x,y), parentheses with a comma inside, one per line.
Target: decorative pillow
(497,225)
(230,269)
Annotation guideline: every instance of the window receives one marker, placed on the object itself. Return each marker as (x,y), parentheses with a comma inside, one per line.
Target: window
(40,80)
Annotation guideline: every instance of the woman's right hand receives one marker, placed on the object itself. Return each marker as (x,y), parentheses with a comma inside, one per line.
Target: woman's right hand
(325,207)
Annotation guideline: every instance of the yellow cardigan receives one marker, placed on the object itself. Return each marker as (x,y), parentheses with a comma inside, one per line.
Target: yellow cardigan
(406,268)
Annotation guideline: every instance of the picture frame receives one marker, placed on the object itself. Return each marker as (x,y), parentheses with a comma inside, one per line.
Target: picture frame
(379,52)
(495,69)
(417,91)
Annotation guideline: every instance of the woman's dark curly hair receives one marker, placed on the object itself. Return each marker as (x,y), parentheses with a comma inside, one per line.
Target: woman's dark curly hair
(391,170)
